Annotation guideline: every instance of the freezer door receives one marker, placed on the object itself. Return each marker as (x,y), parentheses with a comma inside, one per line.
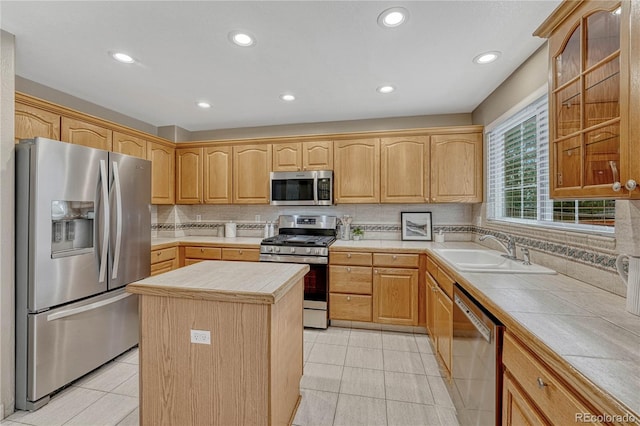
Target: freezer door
(68,342)
(130,203)
(59,200)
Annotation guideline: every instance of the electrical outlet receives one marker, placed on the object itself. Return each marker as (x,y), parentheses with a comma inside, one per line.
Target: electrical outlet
(257,218)
(198,218)
(202,337)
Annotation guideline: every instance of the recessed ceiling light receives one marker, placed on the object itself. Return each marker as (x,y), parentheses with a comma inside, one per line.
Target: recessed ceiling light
(122,57)
(241,38)
(287,97)
(393,17)
(486,58)
(204,105)
(385,89)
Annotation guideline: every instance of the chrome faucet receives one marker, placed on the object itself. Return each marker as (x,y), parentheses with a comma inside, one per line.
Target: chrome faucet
(510,247)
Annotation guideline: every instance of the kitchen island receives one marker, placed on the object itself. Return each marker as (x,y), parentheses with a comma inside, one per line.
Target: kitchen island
(221,344)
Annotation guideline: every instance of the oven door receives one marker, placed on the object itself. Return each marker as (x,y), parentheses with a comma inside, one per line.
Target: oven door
(293,189)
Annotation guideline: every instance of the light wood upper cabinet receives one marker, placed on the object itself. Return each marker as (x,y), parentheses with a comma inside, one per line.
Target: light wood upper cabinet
(404,169)
(163,172)
(129,145)
(251,168)
(86,134)
(218,175)
(296,156)
(189,175)
(357,171)
(287,157)
(31,122)
(317,155)
(456,168)
(594,94)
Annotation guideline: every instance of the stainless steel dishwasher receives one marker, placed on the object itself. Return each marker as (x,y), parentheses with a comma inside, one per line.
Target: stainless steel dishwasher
(476,384)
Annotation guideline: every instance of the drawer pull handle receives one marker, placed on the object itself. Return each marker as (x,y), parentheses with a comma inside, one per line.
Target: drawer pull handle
(541,383)
(375,271)
(201,250)
(349,255)
(395,257)
(240,251)
(349,269)
(158,254)
(348,298)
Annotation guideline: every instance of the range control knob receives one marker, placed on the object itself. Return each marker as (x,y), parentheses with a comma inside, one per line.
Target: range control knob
(308,250)
(277,249)
(270,249)
(292,249)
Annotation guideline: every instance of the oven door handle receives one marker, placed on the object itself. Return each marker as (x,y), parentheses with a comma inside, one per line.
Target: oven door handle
(477,323)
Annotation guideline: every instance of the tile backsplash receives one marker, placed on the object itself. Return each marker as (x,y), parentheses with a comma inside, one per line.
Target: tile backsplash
(587,257)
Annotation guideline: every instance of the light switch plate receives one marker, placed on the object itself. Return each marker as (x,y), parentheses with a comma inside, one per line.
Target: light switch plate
(201,337)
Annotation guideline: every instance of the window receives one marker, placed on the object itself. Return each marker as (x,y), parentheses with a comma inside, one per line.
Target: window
(518,165)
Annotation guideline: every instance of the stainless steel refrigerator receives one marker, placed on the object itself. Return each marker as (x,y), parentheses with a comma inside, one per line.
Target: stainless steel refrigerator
(83,231)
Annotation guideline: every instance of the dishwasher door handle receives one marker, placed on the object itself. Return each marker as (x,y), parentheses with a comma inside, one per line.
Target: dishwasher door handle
(477,323)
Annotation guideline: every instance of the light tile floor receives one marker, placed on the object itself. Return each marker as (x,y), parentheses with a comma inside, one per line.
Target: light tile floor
(351,377)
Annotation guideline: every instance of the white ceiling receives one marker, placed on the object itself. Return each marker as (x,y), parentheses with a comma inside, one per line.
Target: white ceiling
(331,54)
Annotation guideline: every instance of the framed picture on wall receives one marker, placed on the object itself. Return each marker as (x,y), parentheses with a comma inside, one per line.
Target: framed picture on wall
(416,226)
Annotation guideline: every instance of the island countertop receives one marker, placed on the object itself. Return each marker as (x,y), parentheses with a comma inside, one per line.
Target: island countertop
(248,282)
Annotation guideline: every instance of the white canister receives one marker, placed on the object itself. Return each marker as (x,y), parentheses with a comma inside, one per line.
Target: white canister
(632,280)
(230,230)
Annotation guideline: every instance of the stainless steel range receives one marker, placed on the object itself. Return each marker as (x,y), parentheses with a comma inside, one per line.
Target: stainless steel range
(305,239)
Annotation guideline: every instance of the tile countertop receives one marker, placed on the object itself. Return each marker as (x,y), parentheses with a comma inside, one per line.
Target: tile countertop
(231,242)
(585,330)
(248,282)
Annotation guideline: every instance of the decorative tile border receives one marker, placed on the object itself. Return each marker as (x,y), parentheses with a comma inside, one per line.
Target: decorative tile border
(597,259)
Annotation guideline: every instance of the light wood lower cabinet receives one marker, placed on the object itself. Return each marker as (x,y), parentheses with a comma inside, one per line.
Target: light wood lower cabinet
(378,287)
(79,132)
(164,260)
(541,389)
(517,409)
(440,312)
(242,254)
(31,122)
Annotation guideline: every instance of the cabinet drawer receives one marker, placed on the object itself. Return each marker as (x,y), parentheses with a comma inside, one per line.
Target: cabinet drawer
(555,400)
(350,307)
(162,255)
(209,253)
(432,268)
(350,258)
(396,260)
(350,279)
(162,267)
(188,261)
(247,255)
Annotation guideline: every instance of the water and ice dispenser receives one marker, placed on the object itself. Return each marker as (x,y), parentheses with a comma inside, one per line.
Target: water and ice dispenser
(71,228)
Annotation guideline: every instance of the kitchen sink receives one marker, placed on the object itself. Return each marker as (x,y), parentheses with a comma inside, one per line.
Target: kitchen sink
(482,260)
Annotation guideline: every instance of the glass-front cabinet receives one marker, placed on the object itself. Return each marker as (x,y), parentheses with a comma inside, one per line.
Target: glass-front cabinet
(592,57)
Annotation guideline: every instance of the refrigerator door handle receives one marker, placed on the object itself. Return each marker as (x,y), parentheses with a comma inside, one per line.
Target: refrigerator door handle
(116,256)
(85,308)
(105,209)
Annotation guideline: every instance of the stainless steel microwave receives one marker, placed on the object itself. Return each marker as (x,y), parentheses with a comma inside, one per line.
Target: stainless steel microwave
(313,188)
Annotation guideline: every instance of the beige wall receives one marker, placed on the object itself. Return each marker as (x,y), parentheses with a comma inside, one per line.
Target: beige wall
(7,251)
(57,97)
(529,77)
(376,124)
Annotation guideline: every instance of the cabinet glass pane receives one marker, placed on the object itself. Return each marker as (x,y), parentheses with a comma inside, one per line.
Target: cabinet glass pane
(603,36)
(568,110)
(602,155)
(568,62)
(568,162)
(602,93)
